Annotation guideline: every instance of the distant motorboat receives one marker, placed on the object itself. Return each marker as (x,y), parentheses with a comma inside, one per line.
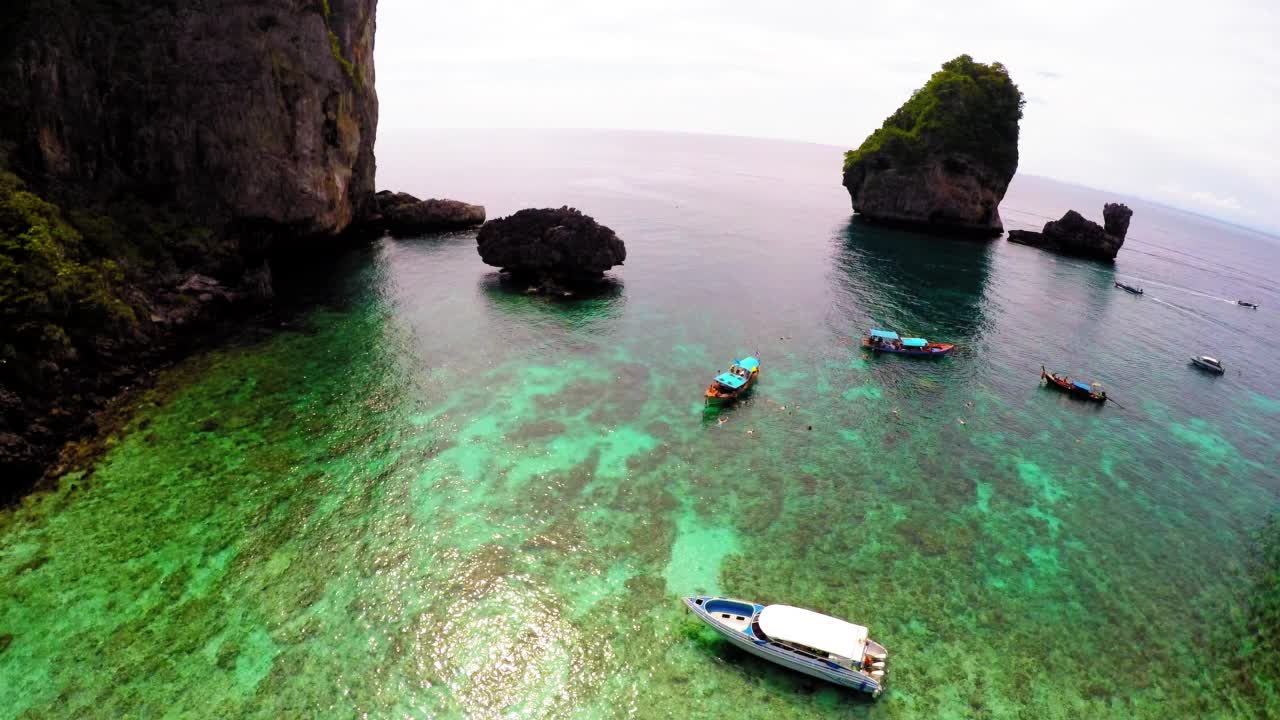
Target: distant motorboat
(1208,363)
(812,643)
(1129,288)
(888,341)
(1247,304)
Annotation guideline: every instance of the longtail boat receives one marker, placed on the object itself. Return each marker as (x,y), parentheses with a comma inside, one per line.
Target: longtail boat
(1247,304)
(1092,392)
(1129,288)
(732,383)
(889,342)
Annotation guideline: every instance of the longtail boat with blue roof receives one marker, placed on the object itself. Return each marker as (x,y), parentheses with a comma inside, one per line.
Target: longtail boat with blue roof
(732,383)
(805,641)
(1087,391)
(888,341)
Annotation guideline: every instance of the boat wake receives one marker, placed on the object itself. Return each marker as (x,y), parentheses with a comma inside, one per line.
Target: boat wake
(1145,281)
(1197,315)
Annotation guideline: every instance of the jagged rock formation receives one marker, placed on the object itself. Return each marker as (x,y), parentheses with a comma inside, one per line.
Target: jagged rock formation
(1075,235)
(944,160)
(554,248)
(1115,219)
(403,215)
(154,158)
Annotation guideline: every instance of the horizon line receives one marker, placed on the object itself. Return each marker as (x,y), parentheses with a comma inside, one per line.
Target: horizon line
(1267,231)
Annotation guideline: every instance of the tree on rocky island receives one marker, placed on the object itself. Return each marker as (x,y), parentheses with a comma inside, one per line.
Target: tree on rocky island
(945,158)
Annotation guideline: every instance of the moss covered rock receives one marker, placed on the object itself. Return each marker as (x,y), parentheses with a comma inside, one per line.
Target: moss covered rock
(944,160)
(55,293)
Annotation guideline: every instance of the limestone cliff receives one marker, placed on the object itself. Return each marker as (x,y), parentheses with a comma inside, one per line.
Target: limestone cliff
(257,110)
(153,157)
(944,160)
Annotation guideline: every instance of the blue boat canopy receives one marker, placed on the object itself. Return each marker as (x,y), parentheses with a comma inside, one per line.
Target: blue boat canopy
(1082,386)
(914,342)
(884,334)
(730,380)
(749,363)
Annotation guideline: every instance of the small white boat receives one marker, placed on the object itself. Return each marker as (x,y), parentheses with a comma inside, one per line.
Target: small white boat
(1208,363)
(803,640)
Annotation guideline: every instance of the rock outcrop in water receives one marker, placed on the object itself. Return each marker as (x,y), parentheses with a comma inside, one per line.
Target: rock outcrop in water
(402,215)
(554,248)
(944,160)
(1075,235)
(154,158)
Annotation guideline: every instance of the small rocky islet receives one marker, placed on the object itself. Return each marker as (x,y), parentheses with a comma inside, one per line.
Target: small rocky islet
(1077,236)
(554,250)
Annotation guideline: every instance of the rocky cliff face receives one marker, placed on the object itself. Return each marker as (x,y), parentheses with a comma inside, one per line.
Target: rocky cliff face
(944,160)
(1077,236)
(153,156)
(233,110)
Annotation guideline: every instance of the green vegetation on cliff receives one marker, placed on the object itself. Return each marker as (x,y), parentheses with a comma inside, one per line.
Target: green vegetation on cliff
(967,107)
(56,293)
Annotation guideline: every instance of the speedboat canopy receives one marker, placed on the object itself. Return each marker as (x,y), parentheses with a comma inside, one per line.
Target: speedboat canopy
(731,381)
(818,631)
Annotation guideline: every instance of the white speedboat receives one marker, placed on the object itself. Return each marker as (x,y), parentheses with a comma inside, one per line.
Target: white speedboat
(803,640)
(1208,363)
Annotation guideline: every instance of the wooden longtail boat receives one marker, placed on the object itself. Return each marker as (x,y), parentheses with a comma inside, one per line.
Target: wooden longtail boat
(734,382)
(1092,392)
(888,341)
(1129,288)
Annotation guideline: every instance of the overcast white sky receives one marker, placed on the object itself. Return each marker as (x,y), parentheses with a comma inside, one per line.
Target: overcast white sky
(1174,101)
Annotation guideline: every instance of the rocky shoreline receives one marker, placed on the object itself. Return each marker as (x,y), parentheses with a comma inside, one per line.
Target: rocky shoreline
(44,427)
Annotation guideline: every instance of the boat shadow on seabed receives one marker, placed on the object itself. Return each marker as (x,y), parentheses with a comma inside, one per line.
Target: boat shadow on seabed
(780,683)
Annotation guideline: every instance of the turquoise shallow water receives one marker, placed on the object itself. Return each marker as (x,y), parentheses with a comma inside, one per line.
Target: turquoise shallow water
(446,498)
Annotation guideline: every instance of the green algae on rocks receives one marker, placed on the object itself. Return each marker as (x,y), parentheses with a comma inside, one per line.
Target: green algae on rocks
(945,158)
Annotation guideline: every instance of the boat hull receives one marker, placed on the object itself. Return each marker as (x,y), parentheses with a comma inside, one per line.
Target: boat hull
(713,398)
(823,671)
(934,350)
(1207,367)
(1055,382)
